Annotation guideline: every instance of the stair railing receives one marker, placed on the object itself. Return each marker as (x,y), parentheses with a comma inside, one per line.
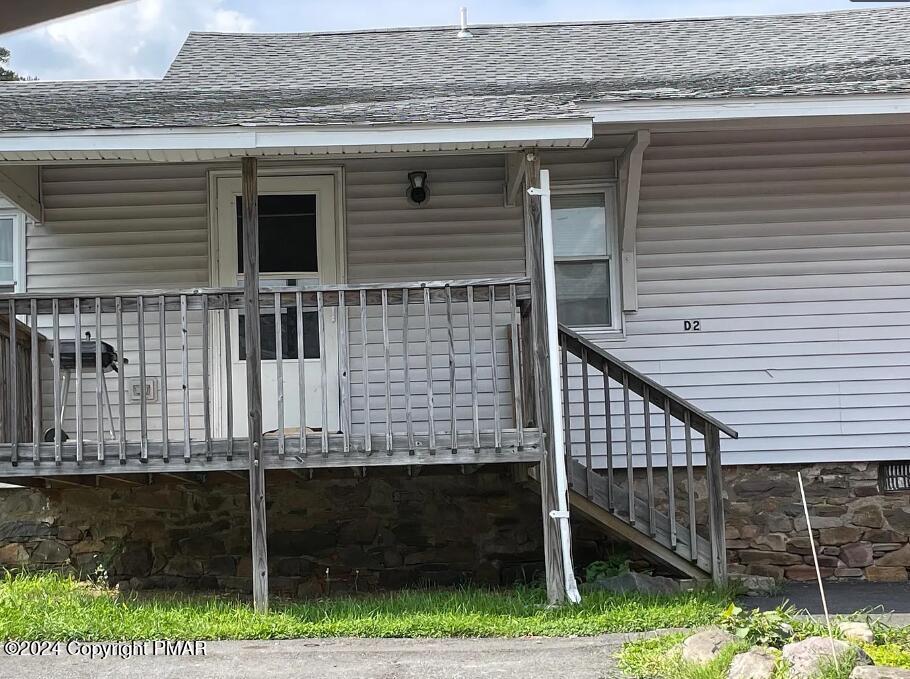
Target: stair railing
(614,421)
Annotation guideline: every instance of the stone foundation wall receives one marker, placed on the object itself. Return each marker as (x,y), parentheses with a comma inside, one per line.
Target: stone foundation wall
(328,534)
(860,531)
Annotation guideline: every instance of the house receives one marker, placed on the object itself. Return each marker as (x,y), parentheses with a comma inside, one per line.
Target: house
(388,281)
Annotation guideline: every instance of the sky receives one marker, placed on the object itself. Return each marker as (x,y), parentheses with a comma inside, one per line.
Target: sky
(139,38)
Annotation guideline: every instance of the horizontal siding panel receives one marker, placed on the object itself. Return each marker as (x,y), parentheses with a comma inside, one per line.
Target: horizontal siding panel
(791,247)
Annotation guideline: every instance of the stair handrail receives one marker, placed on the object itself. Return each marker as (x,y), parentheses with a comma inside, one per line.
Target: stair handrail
(657,394)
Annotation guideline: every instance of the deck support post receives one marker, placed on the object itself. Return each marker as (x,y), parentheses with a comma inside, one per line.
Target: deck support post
(716,523)
(554,498)
(254,381)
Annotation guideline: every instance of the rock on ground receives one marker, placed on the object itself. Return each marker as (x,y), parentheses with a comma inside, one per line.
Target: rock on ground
(637,582)
(755,585)
(702,647)
(757,663)
(856,631)
(807,657)
(868,672)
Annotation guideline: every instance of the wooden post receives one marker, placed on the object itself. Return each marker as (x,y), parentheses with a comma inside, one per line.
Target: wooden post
(715,479)
(254,381)
(553,559)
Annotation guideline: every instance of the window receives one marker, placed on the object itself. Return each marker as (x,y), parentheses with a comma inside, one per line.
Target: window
(12,251)
(287,233)
(584,235)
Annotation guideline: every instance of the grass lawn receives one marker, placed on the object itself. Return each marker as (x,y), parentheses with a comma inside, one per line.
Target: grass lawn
(50,607)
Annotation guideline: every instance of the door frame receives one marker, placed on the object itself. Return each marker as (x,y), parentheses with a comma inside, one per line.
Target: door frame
(216,339)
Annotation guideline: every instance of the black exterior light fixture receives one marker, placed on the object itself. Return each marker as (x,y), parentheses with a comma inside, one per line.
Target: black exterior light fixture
(417,192)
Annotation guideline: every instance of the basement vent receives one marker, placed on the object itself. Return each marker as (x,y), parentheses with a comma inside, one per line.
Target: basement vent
(894,476)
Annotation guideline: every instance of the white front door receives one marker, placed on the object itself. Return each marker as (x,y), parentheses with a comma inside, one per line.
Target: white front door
(297,247)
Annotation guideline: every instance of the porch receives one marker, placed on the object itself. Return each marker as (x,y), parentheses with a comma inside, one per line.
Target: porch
(426,373)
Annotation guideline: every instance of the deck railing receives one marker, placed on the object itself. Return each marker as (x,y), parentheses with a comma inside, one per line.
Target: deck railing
(416,369)
(626,429)
(20,349)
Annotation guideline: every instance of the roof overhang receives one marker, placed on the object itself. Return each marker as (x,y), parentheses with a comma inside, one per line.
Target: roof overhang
(207,144)
(719,109)
(19,14)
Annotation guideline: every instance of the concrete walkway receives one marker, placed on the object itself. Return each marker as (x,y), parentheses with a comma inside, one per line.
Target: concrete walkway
(529,658)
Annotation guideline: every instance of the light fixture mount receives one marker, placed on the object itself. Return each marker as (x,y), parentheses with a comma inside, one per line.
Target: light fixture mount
(418,193)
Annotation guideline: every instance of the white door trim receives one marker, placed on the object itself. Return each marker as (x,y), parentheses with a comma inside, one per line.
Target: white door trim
(336,273)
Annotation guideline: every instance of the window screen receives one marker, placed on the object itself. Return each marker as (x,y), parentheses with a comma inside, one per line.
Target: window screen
(287,233)
(7,253)
(584,263)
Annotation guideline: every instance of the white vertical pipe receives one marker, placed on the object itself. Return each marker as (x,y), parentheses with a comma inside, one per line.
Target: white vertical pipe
(561,514)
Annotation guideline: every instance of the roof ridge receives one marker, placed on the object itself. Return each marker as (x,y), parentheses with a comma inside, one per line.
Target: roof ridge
(542,24)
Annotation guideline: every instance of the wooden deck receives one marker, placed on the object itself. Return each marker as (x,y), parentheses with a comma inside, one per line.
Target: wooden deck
(222,455)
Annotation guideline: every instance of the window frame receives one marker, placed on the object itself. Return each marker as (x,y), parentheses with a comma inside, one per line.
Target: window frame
(18,218)
(609,189)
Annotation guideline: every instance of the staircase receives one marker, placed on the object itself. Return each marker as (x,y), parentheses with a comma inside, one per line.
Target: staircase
(624,431)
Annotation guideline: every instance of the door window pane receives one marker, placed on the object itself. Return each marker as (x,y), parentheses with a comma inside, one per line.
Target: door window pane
(288,334)
(287,233)
(579,225)
(583,293)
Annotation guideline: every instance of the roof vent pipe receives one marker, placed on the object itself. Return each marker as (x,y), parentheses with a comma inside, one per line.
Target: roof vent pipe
(464,32)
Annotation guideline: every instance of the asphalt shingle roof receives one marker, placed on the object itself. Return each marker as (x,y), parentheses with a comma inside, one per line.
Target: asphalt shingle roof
(507,72)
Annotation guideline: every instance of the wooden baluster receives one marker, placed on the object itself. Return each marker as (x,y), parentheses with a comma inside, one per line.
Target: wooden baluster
(162,357)
(630,463)
(121,380)
(387,361)
(431,421)
(206,390)
(517,386)
(143,381)
(586,406)
(13,382)
(323,373)
(497,424)
(77,324)
(228,375)
(345,369)
(35,384)
(409,417)
(472,351)
(608,417)
(365,375)
(453,386)
(566,413)
(58,424)
(99,384)
(715,482)
(143,385)
(649,462)
(671,489)
(185,379)
(301,373)
(279,373)
(690,488)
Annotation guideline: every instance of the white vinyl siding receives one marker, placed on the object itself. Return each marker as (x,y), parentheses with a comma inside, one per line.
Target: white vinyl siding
(792,248)
(128,227)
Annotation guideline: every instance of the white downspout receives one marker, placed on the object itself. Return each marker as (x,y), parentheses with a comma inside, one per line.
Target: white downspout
(561,513)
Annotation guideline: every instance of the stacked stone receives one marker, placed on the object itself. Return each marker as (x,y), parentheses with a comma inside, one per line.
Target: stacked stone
(860,532)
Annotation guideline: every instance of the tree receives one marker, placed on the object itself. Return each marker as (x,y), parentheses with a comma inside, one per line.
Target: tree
(5,73)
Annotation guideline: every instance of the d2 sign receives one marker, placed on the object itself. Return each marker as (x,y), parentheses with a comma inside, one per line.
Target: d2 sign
(692,326)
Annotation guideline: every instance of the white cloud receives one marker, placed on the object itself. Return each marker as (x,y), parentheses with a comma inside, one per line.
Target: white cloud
(132,40)
(230,21)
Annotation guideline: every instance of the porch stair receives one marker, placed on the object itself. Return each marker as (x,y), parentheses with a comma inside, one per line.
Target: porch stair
(645,438)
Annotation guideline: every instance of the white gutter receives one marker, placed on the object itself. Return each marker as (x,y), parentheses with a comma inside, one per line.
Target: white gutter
(311,139)
(683,110)
(561,513)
